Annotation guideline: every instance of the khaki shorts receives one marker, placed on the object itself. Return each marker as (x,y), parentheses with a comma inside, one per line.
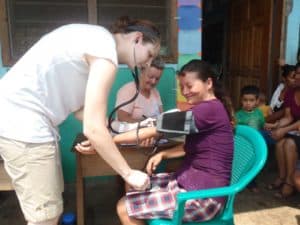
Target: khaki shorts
(37,177)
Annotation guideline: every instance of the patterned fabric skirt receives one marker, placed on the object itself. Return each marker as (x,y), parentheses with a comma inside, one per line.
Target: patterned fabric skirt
(159,201)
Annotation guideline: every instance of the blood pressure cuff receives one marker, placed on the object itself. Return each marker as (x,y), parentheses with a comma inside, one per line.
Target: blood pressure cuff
(174,124)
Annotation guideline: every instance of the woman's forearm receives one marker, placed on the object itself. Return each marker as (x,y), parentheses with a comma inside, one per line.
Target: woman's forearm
(103,143)
(177,152)
(131,136)
(283,122)
(293,126)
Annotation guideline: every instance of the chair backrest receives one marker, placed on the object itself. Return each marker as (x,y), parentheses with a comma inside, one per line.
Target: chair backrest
(250,154)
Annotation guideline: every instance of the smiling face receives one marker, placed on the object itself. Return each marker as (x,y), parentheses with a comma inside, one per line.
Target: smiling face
(194,89)
(150,78)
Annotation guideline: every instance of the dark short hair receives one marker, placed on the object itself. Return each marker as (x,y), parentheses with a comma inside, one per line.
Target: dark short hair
(250,90)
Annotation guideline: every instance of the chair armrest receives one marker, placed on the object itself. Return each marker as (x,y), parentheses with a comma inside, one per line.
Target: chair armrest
(207,193)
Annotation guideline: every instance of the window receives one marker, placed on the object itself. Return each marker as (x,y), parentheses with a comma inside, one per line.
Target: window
(23,22)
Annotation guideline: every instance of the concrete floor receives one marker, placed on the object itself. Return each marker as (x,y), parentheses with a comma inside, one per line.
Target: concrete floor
(250,209)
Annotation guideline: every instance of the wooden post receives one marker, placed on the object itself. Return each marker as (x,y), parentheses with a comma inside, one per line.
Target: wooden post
(92,12)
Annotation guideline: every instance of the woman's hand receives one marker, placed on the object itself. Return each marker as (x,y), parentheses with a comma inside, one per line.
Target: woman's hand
(278,134)
(137,180)
(149,142)
(270,126)
(85,148)
(153,162)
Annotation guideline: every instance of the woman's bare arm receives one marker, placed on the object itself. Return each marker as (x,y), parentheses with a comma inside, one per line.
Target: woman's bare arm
(131,136)
(101,76)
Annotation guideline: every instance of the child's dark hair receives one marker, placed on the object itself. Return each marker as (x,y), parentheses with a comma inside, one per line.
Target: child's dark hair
(287,69)
(250,90)
(204,71)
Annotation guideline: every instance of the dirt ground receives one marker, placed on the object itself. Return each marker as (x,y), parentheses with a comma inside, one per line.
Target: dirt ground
(101,196)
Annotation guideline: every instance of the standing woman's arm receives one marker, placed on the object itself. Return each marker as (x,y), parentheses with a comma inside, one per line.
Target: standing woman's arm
(101,77)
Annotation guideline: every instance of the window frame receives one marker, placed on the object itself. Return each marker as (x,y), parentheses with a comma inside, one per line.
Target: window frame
(171,39)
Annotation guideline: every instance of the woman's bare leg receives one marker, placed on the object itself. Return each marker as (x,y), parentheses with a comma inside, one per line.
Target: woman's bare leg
(291,156)
(297,180)
(123,215)
(280,158)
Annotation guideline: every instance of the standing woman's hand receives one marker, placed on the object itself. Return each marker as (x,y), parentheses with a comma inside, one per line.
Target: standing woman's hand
(137,180)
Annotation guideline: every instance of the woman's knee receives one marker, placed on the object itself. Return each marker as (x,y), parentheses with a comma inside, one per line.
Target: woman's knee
(121,208)
(289,144)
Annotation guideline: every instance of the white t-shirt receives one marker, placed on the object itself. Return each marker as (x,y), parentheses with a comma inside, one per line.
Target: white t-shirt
(49,81)
(275,101)
(149,107)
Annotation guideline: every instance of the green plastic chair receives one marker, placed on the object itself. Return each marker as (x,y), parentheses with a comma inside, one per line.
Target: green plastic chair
(250,154)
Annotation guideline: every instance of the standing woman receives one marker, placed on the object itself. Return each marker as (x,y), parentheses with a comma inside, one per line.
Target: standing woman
(68,70)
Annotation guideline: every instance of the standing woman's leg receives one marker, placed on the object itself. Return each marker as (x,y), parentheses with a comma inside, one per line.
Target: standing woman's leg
(35,170)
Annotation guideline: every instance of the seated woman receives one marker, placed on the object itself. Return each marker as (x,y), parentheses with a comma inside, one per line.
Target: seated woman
(148,102)
(285,132)
(276,103)
(208,154)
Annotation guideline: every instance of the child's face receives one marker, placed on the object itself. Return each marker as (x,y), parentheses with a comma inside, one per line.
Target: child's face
(194,89)
(249,102)
(150,78)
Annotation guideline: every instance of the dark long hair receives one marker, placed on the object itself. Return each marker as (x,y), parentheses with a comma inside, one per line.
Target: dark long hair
(287,69)
(204,71)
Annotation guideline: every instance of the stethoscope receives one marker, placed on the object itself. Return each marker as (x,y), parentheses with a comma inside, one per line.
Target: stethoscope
(135,75)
